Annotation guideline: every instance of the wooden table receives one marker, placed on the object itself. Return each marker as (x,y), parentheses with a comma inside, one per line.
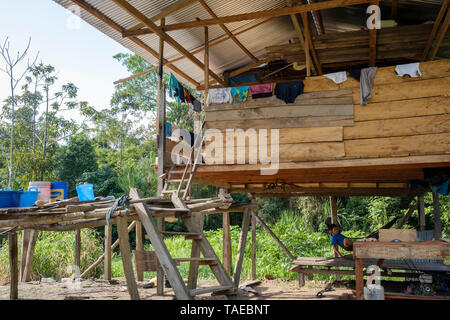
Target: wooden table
(434,250)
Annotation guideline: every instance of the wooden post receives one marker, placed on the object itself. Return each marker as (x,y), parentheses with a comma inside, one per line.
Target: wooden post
(126,258)
(28,269)
(77,255)
(23,260)
(161,111)
(206,63)
(437,216)
(226,240)
(253,247)
(139,246)
(359,279)
(421,213)
(241,247)
(13,267)
(333,209)
(107,271)
(195,253)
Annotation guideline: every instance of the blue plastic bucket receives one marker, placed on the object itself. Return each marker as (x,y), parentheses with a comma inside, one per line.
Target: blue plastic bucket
(9,198)
(28,198)
(58,191)
(86,192)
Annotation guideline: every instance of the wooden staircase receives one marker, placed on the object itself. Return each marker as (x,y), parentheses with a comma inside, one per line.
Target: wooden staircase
(200,245)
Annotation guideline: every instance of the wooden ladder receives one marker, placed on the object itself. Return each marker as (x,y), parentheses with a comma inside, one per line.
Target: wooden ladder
(187,174)
(169,264)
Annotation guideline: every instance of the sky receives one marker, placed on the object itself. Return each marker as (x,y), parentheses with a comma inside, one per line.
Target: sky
(81,54)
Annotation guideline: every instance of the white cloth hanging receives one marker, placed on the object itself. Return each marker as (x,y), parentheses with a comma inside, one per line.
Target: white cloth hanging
(411,69)
(220,95)
(337,77)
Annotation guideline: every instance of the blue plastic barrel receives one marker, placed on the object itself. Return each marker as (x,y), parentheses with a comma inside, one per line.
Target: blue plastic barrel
(28,198)
(9,198)
(58,191)
(85,192)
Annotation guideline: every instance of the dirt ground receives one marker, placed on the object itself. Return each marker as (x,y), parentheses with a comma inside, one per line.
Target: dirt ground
(277,289)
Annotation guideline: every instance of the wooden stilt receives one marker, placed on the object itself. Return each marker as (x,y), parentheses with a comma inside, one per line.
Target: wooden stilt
(139,246)
(226,239)
(108,253)
(195,253)
(437,216)
(13,267)
(77,255)
(334,220)
(27,272)
(241,247)
(23,260)
(421,213)
(126,258)
(359,279)
(253,247)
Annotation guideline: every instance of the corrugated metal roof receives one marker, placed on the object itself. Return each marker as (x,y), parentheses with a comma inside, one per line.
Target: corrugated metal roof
(226,55)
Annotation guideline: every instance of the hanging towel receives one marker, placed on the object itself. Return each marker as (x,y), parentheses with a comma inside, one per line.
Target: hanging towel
(261,90)
(288,91)
(240,93)
(168,129)
(173,88)
(365,84)
(337,77)
(411,69)
(187,95)
(220,95)
(181,93)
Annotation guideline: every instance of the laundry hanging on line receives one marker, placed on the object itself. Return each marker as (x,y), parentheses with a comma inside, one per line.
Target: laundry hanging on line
(261,90)
(176,90)
(240,94)
(288,91)
(220,95)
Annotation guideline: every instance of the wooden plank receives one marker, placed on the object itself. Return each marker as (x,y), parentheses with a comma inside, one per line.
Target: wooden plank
(373,39)
(310,44)
(226,241)
(195,253)
(13,266)
(139,247)
(25,242)
(397,234)
(28,269)
(403,109)
(434,250)
(164,257)
(421,208)
(77,255)
(145,261)
(161,116)
(359,281)
(407,145)
(253,257)
(281,112)
(124,244)
(215,289)
(241,247)
(287,152)
(333,210)
(441,35)
(398,127)
(304,122)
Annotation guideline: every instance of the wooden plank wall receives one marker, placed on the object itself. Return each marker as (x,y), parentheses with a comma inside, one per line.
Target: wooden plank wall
(405,116)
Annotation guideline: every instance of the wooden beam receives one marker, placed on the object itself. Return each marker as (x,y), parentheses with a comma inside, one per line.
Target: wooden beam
(139,247)
(436,24)
(253,245)
(241,247)
(305,44)
(77,255)
(206,66)
(441,35)
(226,240)
(373,43)
(13,266)
(124,244)
(89,8)
(333,209)
(251,66)
(195,253)
(165,12)
(25,242)
(27,271)
(437,217)
(394,7)
(421,213)
(161,116)
(330,4)
(142,18)
(310,43)
(107,270)
(228,32)
(140,74)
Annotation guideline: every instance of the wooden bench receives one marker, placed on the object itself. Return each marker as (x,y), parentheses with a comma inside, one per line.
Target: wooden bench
(323,265)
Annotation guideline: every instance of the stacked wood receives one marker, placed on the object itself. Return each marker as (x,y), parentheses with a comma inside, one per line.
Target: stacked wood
(401,42)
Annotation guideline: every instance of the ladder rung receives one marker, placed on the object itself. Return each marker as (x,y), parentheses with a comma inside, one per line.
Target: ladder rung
(168,191)
(187,235)
(201,261)
(216,289)
(180,171)
(176,180)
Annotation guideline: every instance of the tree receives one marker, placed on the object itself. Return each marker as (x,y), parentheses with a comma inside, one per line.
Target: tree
(76,158)
(10,70)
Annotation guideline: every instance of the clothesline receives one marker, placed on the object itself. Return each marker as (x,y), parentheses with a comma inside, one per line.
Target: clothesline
(176,90)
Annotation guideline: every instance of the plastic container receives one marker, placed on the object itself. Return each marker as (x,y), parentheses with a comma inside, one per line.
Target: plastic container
(28,198)
(43,187)
(86,192)
(9,198)
(58,191)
